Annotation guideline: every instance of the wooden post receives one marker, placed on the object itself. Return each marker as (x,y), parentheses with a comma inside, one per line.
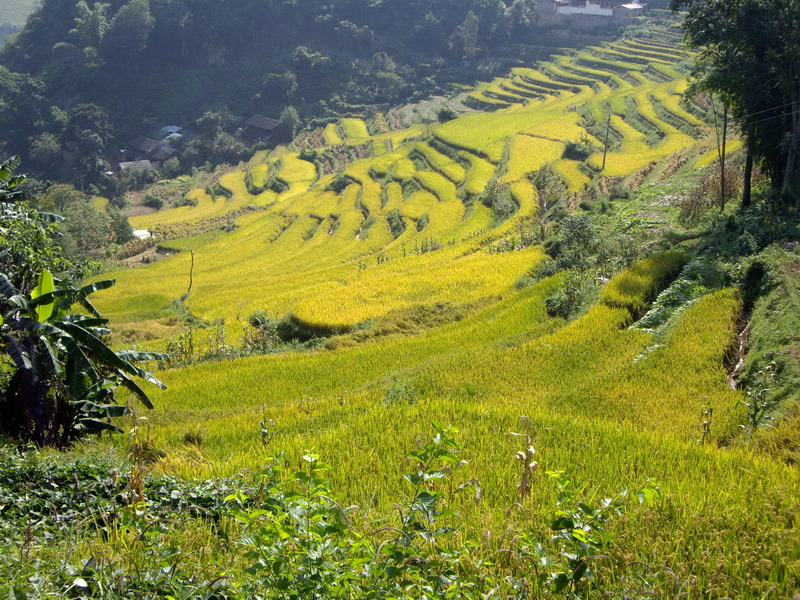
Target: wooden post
(748,170)
(605,144)
(191,275)
(722,191)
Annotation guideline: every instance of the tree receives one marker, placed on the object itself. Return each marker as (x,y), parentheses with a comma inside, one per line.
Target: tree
(129,30)
(388,84)
(121,228)
(87,227)
(277,88)
(21,107)
(63,376)
(61,379)
(82,227)
(91,24)
(497,196)
(290,119)
(469,35)
(92,118)
(750,57)
(446,114)
(46,151)
(57,198)
(214,122)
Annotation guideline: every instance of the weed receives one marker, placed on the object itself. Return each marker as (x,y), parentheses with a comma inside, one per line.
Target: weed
(760,403)
(400,391)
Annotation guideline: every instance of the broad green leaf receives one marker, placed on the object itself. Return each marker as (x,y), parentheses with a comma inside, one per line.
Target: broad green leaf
(102,353)
(6,287)
(562,523)
(97,425)
(131,386)
(46,286)
(50,357)
(133,356)
(18,353)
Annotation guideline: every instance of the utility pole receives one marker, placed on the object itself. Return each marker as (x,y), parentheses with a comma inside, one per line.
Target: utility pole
(723,191)
(721,143)
(191,275)
(605,144)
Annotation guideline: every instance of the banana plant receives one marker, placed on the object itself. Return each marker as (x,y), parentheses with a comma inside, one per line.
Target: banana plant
(63,375)
(9,181)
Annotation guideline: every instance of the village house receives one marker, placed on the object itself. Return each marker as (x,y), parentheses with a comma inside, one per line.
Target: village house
(170,130)
(161,153)
(604,8)
(137,167)
(258,128)
(142,148)
(587,14)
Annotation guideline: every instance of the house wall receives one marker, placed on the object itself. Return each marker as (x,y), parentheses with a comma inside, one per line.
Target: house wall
(628,13)
(590,9)
(548,14)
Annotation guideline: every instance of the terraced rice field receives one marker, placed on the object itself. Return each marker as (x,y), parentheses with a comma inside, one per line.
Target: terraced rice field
(395,254)
(307,245)
(607,399)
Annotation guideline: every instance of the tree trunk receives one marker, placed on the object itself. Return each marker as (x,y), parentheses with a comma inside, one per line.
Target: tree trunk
(722,158)
(26,411)
(748,173)
(791,159)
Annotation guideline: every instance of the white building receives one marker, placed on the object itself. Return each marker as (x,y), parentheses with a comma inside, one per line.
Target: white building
(599,8)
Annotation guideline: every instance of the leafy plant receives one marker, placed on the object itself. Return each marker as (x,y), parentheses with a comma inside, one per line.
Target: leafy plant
(300,543)
(8,181)
(400,391)
(571,295)
(760,402)
(566,565)
(64,376)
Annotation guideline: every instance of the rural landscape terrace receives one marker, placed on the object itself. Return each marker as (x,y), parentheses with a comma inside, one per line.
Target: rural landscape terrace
(506,340)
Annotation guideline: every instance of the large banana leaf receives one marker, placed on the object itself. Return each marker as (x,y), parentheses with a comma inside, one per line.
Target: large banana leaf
(46,287)
(42,337)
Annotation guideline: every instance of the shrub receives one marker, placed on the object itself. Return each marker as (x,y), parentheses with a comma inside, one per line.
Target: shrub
(339,183)
(497,196)
(396,223)
(400,391)
(309,154)
(578,150)
(261,335)
(567,300)
(153,202)
(634,287)
(63,375)
(446,114)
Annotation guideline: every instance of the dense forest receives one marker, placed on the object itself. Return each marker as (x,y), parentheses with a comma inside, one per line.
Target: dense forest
(82,74)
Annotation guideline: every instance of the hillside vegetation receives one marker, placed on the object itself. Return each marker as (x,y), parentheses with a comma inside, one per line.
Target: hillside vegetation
(406,221)
(569,322)
(144,64)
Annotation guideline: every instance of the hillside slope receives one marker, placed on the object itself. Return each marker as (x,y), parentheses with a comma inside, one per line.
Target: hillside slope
(390,239)
(407,221)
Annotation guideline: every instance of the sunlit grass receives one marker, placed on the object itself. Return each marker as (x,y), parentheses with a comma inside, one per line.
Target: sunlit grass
(620,404)
(331,134)
(527,154)
(354,129)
